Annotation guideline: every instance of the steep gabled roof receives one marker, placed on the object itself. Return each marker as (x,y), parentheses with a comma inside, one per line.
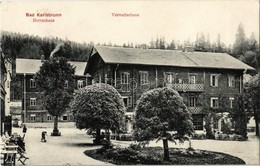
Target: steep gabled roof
(31,66)
(120,55)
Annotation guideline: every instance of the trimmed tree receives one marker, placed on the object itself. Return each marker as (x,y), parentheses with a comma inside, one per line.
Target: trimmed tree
(158,112)
(50,79)
(252,99)
(98,106)
(240,117)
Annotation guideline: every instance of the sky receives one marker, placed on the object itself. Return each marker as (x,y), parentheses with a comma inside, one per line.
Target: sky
(85,21)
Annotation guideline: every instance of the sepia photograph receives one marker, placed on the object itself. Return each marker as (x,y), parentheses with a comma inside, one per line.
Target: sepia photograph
(136,82)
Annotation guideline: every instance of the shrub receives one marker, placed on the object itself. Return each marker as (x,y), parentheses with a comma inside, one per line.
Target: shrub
(150,159)
(135,146)
(230,137)
(127,155)
(124,137)
(199,136)
(113,136)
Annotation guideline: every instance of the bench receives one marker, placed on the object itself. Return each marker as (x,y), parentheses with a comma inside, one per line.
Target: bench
(9,152)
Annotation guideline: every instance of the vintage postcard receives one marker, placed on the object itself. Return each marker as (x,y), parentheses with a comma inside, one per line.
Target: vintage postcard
(134,82)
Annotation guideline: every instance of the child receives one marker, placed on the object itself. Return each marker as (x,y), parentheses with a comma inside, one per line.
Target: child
(44,136)
(24,131)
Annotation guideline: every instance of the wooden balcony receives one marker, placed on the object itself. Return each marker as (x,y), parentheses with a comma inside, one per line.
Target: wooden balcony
(195,110)
(188,87)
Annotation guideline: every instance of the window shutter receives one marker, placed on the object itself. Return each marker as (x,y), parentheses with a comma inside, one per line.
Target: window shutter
(216,79)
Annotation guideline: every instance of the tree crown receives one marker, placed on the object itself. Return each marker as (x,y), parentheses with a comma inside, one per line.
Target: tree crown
(161,110)
(98,106)
(50,79)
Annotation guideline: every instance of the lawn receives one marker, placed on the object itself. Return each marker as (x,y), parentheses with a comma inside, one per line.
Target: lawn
(154,156)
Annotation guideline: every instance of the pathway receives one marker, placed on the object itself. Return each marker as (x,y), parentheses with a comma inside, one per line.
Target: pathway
(67,149)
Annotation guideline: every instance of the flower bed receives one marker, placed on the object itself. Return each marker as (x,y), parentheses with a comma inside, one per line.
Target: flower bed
(154,156)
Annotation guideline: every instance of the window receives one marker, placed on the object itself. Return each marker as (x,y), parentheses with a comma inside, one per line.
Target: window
(192,79)
(197,120)
(231,81)
(214,80)
(66,84)
(106,79)
(32,83)
(32,101)
(143,77)
(214,102)
(65,117)
(231,100)
(168,78)
(192,102)
(80,84)
(32,117)
(8,84)
(128,101)
(49,117)
(99,78)
(180,81)
(125,77)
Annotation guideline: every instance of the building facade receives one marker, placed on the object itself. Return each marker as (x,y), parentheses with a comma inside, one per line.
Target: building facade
(32,100)
(6,75)
(3,92)
(204,80)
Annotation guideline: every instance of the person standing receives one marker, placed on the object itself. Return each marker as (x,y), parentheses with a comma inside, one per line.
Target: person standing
(24,130)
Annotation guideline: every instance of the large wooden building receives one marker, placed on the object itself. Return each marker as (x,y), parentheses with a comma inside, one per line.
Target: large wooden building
(32,106)
(202,79)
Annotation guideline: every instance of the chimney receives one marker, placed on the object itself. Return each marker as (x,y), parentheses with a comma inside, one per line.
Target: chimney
(56,49)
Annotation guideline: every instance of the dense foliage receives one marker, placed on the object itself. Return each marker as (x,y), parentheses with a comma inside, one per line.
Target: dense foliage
(252,99)
(159,111)
(240,117)
(98,106)
(246,49)
(16,45)
(50,80)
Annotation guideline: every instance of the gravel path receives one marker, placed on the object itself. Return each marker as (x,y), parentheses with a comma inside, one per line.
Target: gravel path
(69,148)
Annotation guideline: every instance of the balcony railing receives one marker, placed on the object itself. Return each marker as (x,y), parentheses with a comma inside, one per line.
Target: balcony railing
(188,87)
(195,110)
